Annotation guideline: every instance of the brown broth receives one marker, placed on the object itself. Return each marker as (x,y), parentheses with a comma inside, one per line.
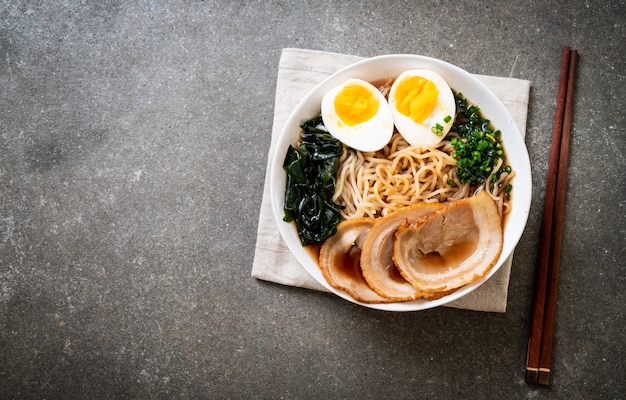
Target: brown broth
(349,265)
(395,275)
(436,262)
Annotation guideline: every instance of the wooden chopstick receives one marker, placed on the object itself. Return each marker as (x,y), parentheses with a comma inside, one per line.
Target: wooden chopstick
(544,301)
(541,277)
(557,231)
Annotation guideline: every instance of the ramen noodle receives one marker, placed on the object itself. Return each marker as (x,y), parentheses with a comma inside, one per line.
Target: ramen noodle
(376,183)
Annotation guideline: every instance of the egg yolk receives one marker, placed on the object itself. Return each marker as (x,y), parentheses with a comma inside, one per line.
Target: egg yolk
(355,104)
(416,97)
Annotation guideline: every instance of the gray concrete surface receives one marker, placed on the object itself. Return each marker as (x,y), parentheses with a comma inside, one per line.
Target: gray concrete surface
(133,143)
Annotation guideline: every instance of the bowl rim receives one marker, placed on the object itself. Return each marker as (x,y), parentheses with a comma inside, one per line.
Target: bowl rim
(380,67)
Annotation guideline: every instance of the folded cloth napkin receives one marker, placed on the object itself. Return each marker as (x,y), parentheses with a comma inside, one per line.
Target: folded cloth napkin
(300,71)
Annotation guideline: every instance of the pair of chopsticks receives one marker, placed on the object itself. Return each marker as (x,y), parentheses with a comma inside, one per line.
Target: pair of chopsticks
(544,302)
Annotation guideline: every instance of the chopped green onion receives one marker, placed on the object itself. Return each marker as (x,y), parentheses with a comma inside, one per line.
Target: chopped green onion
(437,129)
(478,148)
(507,191)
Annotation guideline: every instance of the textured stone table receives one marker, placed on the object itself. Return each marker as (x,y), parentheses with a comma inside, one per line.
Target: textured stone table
(133,145)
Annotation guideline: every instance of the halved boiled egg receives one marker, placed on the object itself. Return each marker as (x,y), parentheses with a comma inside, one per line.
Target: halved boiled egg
(357,114)
(423,107)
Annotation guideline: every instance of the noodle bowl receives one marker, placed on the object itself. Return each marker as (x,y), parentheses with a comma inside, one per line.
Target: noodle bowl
(379,182)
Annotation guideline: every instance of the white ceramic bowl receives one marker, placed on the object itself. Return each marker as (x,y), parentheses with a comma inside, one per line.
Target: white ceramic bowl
(386,66)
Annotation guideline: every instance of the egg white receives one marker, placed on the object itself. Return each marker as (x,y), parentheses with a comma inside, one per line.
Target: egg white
(370,135)
(421,134)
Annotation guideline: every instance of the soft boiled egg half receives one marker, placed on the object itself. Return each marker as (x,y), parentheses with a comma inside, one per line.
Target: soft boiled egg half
(357,114)
(423,107)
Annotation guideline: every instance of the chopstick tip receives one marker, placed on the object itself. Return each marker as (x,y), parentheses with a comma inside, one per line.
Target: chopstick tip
(544,377)
(532,375)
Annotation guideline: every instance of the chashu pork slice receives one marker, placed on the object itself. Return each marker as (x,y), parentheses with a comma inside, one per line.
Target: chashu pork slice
(340,264)
(455,246)
(377,262)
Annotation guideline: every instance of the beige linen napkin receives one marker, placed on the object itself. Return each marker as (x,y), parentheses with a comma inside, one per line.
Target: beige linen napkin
(298,72)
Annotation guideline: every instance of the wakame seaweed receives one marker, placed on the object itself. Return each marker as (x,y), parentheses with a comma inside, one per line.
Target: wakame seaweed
(311,177)
(479,147)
